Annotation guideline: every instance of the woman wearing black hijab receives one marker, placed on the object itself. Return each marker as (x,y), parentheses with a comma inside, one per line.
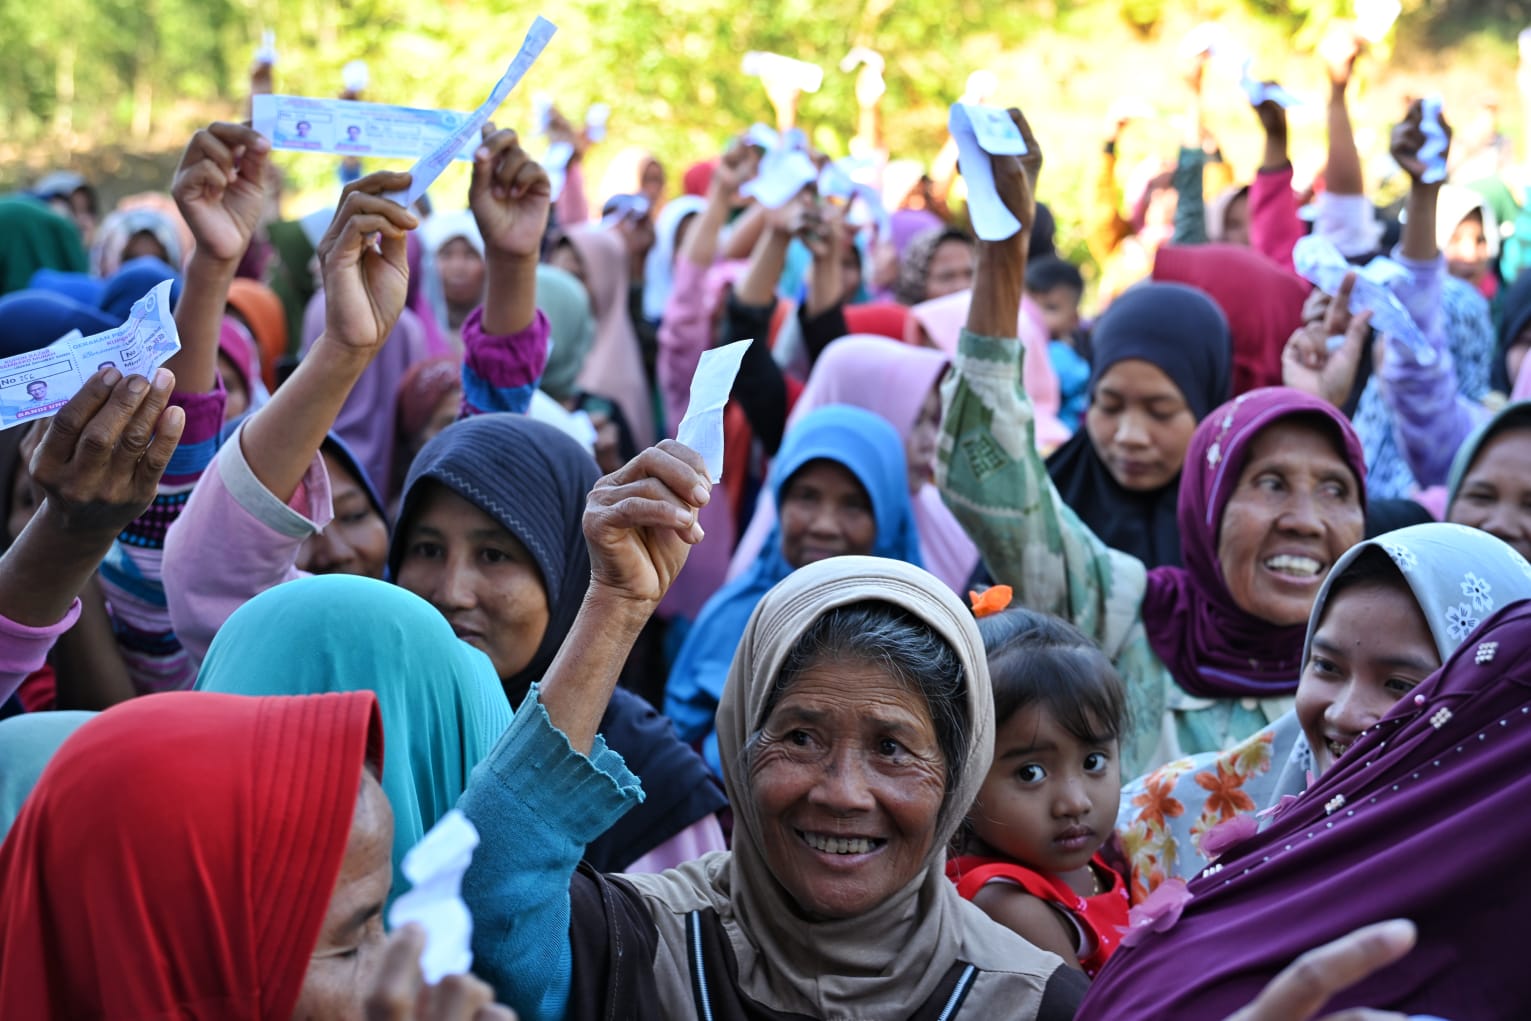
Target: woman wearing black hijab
(1162,360)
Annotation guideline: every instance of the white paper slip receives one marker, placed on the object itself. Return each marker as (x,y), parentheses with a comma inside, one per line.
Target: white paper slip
(1374,18)
(1259,92)
(435,866)
(1433,153)
(783,173)
(37,384)
(430,166)
(266,52)
(1321,264)
(992,219)
(556,164)
(837,181)
(702,428)
(355,129)
(775,68)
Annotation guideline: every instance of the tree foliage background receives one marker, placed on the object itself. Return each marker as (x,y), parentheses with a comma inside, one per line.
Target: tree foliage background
(115,86)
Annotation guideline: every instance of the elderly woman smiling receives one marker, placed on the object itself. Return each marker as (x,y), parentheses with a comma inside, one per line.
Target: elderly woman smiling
(1271,494)
(855,727)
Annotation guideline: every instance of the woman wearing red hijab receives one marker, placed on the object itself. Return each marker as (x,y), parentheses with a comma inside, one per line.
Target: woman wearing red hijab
(248,885)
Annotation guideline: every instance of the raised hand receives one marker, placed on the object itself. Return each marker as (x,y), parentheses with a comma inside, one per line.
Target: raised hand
(1015,177)
(220,188)
(1309,364)
(363,260)
(641,522)
(739,164)
(509,195)
(1338,50)
(399,992)
(1409,137)
(100,461)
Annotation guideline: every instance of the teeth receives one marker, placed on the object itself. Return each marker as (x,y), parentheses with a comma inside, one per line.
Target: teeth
(839,845)
(1336,749)
(1306,566)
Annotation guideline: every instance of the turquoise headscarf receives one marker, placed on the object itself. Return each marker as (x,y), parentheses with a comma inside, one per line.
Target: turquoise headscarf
(442,705)
(867,446)
(27,742)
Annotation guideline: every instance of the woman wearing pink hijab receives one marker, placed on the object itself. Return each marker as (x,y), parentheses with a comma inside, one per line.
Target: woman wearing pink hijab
(900,384)
(614,368)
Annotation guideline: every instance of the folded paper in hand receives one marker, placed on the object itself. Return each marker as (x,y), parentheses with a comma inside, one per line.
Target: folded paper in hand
(978,132)
(702,427)
(773,68)
(1433,153)
(1375,17)
(1321,264)
(430,166)
(38,383)
(435,867)
(783,173)
(1259,92)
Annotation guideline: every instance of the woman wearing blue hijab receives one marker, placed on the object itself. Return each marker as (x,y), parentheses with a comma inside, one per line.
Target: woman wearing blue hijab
(841,488)
(441,701)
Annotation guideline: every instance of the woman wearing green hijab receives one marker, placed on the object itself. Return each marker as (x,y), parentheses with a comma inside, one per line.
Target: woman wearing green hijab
(442,705)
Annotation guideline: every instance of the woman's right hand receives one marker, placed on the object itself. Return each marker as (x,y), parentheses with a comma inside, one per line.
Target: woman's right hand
(398,991)
(220,188)
(641,522)
(1309,364)
(364,263)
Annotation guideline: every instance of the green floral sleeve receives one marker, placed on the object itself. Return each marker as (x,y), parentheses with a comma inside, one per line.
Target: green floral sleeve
(994,481)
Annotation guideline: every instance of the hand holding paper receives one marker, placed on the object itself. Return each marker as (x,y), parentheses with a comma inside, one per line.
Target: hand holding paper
(1320,263)
(220,188)
(365,280)
(702,427)
(509,196)
(980,132)
(435,866)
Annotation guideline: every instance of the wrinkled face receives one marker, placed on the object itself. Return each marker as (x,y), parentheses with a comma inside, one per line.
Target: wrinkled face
(825,513)
(351,937)
(950,270)
(920,444)
(234,384)
(1495,495)
(356,539)
(1372,647)
(848,780)
(1050,799)
(484,582)
(1467,251)
(1236,221)
(1140,425)
(1060,310)
(1295,509)
(462,272)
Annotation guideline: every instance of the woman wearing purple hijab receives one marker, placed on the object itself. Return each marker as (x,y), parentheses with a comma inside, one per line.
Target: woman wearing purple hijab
(1422,817)
(1271,494)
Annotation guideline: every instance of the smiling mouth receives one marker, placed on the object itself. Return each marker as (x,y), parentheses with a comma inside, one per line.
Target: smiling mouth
(840,845)
(1336,749)
(1295,567)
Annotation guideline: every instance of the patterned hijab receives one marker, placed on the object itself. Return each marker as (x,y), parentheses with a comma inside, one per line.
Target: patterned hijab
(1423,817)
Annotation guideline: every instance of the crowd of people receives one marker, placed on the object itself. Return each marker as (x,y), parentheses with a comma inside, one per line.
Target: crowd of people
(1161,652)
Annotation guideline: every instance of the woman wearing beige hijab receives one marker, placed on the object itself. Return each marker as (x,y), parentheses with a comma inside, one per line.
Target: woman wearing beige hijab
(855,728)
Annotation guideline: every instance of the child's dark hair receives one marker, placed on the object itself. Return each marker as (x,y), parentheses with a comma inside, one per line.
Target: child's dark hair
(1043,274)
(1035,658)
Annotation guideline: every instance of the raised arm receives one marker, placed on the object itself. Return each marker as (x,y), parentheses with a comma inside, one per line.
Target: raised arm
(1273,224)
(996,485)
(1191,206)
(1430,417)
(98,466)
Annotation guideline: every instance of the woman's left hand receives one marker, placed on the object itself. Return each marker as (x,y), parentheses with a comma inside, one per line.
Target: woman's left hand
(641,522)
(509,195)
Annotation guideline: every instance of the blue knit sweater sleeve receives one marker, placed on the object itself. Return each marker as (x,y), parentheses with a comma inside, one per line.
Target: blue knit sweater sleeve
(536,803)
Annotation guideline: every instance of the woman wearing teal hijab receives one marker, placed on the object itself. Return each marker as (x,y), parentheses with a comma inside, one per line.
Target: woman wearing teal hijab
(442,705)
(27,742)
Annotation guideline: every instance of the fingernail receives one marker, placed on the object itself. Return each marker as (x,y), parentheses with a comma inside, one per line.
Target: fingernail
(111,376)
(683,516)
(700,495)
(481,153)
(163,379)
(137,385)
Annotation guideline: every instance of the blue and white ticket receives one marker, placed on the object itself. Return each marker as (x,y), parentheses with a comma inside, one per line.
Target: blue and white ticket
(349,128)
(430,166)
(37,384)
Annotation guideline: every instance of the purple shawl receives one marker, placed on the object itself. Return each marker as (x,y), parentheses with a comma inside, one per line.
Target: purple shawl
(1212,647)
(1423,818)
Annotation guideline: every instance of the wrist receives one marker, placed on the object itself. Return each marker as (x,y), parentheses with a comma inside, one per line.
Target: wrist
(620,612)
(502,261)
(207,267)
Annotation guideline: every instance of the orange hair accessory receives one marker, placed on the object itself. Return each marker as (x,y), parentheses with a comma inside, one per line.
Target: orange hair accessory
(991,600)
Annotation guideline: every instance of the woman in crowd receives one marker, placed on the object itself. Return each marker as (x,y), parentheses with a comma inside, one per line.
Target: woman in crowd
(841,489)
(899,383)
(1271,495)
(1160,365)
(1490,482)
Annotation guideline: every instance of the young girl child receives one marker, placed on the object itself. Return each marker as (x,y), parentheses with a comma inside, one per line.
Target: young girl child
(1028,854)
